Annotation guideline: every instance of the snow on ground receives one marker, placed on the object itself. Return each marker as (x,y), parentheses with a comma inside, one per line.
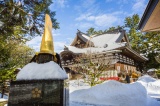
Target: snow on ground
(5,98)
(2,99)
(113,93)
(34,71)
(151,84)
(77,85)
(146,78)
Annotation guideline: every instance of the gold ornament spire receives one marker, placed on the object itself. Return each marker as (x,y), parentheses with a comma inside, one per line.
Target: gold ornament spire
(47,39)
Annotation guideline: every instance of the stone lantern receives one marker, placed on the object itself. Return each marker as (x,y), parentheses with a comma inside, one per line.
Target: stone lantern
(43,81)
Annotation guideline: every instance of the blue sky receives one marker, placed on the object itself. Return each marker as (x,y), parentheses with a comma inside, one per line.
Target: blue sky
(83,14)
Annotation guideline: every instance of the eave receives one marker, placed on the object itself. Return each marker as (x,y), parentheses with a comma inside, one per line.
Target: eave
(132,54)
(150,20)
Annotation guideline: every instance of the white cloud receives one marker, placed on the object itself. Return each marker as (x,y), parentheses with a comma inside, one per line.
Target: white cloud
(35,43)
(139,6)
(60,3)
(84,25)
(58,45)
(109,1)
(122,1)
(103,20)
(88,3)
(55,33)
(87,6)
(84,17)
(118,1)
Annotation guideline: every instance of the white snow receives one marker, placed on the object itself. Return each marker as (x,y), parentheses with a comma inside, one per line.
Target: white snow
(146,79)
(35,71)
(77,85)
(2,99)
(96,49)
(100,43)
(101,40)
(112,93)
(152,69)
(152,85)
(85,36)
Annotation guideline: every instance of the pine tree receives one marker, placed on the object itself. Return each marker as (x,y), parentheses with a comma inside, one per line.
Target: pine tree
(147,44)
(20,20)
(134,35)
(24,18)
(91,31)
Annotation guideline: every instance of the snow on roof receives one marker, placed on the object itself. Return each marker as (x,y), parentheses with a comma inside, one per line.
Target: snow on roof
(85,36)
(101,40)
(35,71)
(96,49)
(112,93)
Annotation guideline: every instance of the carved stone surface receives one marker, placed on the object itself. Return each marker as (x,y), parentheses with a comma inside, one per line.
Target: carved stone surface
(38,93)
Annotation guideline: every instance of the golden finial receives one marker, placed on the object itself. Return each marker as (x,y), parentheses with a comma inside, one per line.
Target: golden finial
(47,39)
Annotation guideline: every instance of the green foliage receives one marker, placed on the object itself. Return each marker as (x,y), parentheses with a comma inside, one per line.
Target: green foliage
(135,36)
(7,74)
(147,44)
(152,63)
(20,20)
(91,31)
(157,58)
(24,18)
(158,73)
(144,43)
(14,55)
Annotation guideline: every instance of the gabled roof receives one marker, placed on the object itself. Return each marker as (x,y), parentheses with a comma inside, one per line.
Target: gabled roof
(102,43)
(150,20)
(105,42)
(81,36)
(96,49)
(103,39)
(109,39)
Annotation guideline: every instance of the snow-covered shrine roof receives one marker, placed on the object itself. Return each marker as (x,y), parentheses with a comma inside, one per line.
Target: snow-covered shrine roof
(110,46)
(116,41)
(103,42)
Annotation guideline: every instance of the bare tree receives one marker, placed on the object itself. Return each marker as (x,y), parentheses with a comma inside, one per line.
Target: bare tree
(92,71)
